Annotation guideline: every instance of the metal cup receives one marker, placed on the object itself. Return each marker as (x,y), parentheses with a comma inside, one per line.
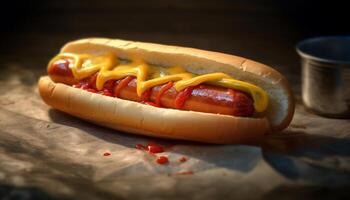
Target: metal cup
(326,75)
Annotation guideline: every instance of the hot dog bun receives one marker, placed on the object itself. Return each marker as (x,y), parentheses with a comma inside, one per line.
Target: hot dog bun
(170,123)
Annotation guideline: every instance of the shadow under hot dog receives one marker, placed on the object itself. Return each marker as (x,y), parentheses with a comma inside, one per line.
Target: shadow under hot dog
(294,154)
(234,157)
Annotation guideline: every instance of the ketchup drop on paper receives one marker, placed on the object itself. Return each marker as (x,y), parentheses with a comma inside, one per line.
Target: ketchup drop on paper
(162,160)
(106,154)
(155,148)
(183,159)
(151,148)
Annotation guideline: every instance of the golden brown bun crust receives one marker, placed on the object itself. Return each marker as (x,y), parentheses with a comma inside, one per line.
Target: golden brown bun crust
(143,119)
(281,105)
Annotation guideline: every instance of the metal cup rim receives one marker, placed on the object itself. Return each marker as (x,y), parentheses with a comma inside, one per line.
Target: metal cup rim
(319,59)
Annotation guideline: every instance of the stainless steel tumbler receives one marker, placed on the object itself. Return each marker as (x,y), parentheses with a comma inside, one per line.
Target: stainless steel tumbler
(326,75)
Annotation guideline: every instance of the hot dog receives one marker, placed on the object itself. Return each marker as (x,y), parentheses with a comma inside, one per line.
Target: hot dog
(202,98)
(167,91)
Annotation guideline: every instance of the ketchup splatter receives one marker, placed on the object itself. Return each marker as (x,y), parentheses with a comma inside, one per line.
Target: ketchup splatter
(162,160)
(151,148)
(106,154)
(182,96)
(155,148)
(183,159)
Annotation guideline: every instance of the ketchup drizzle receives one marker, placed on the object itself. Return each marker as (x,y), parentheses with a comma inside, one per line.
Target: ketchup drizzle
(123,83)
(182,96)
(92,81)
(152,104)
(106,92)
(91,90)
(163,90)
(109,85)
(146,95)
(242,103)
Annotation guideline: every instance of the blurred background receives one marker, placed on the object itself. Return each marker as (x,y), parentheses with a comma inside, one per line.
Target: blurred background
(267,31)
